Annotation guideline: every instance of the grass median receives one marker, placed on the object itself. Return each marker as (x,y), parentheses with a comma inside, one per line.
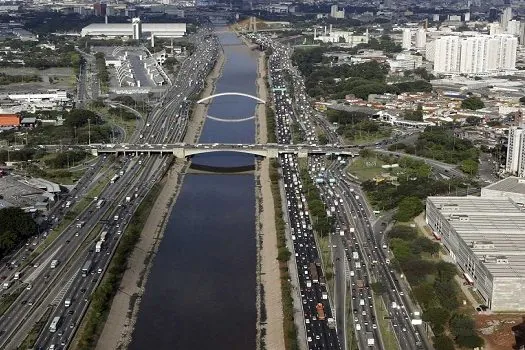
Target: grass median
(32,336)
(389,338)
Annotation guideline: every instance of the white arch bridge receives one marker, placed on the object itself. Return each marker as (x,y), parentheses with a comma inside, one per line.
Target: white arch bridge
(181,150)
(231,94)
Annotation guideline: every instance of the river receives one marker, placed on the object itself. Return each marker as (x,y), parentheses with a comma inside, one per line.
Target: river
(200,293)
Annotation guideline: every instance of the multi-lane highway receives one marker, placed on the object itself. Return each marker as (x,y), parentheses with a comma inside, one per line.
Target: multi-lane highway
(55,276)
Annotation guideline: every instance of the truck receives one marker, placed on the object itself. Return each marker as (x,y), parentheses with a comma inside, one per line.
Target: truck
(370,341)
(331,323)
(98,246)
(100,203)
(357,264)
(357,197)
(80,224)
(360,284)
(103,236)
(324,295)
(128,199)
(67,302)
(17,275)
(115,218)
(121,172)
(114,178)
(355,255)
(341,232)
(352,230)
(86,268)
(394,305)
(68,204)
(54,263)
(54,324)
(320,311)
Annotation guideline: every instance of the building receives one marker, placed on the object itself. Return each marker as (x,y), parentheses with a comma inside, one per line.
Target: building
(513,27)
(506,16)
(336,13)
(485,238)
(406,44)
(111,30)
(511,187)
(9,120)
(100,9)
(137,28)
(421,38)
(514,150)
(474,54)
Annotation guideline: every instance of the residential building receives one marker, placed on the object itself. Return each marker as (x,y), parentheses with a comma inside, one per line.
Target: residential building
(111,30)
(514,150)
(336,13)
(474,54)
(137,28)
(506,16)
(485,238)
(407,39)
(421,38)
(513,27)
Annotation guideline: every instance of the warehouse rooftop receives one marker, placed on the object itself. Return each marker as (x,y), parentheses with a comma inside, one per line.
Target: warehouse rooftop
(509,184)
(494,229)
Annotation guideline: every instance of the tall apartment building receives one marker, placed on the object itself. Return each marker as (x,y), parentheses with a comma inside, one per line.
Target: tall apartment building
(407,39)
(476,55)
(336,13)
(421,38)
(506,16)
(513,27)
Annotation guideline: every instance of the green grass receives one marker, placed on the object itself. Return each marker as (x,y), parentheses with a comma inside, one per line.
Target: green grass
(32,336)
(351,341)
(388,336)
(328,265)
(8,299)
(366,168)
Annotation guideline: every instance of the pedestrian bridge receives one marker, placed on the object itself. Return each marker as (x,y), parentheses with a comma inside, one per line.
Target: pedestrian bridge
(181,150)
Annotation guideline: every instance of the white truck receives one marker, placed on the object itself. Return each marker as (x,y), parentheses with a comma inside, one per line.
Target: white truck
(352,230)
(54,263)
(67,302)
(324,295)
(128,199)
(115,218)
(6,285)
(17,275)
(355,255)
(370,341)
(98,246)
(80,224)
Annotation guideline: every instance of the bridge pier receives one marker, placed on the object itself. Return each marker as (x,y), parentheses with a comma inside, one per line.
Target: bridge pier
(94,152)
(178,152)
(302,154)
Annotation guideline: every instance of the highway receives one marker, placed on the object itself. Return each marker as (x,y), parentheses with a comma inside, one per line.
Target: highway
(45,288)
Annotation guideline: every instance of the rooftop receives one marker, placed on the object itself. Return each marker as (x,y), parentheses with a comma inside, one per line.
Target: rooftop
(509,184)
(492,228)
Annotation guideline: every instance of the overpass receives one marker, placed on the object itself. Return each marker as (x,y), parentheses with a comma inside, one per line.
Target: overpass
(181,150)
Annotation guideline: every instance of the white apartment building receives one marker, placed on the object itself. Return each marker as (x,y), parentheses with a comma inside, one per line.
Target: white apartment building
(514,150)
(474,54)
(421,38)
(513,27)
(407,39)
(336,13)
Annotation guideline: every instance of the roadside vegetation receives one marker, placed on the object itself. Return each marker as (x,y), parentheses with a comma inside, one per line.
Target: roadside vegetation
(101,299)
(440,143)
(360,80)
(283,256)
(6,79)
(356,127)
(16,226)
(102,71)
(434,288)
(388,188)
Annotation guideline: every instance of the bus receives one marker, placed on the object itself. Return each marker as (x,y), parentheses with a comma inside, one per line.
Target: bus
(54,324)
(86,268)
(103,236)
(100,203)
(115,178)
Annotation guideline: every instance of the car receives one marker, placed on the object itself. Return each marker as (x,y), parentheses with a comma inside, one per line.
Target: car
(71,311)
(83,290)
(23,302)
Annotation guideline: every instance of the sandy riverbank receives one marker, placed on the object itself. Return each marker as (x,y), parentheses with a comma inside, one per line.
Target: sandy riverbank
(121,319)
(270,276)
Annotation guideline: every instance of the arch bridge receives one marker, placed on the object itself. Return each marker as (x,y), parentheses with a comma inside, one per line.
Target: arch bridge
(259,100)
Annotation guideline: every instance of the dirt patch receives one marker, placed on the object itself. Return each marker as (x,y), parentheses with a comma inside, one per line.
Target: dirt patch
(496,329)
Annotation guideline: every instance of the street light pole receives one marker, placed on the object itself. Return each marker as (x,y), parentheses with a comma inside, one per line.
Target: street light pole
(89,131)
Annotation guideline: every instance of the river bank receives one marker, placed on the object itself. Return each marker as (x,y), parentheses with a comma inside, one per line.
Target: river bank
(122,317)
(272,323)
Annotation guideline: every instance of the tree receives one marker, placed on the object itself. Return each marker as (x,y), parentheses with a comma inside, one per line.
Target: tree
(424,294)
(472,103)
(437,317)
(378,287)
(473,120)
(443,342)
(323,139)
(469,166)
(408,208)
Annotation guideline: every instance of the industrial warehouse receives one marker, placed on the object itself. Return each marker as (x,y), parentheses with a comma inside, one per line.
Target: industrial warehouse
(485,237)
(135,30)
